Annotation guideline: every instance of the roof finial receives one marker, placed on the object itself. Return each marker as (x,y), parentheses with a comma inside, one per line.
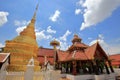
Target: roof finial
(34,16)
(75,32)
(97,40)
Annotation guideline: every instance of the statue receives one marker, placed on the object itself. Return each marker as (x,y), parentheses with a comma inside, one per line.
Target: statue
(31,62)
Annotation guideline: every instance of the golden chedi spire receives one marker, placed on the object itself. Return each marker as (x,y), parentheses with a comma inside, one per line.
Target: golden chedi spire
(23,48)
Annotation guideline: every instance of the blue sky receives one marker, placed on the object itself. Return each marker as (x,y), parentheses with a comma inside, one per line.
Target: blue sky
(58,19)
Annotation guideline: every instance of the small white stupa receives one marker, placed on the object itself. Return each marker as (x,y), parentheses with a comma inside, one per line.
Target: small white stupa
(31,62)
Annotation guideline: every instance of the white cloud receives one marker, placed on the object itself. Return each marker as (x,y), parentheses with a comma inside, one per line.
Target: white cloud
(77,11)
(97,10)
(64,37)
(1,45)
(89,38)
(19,29)
(3,17)
(55,16)
(80,2)
(63,45)
(100,40)
(63,40)
(21,23)
(117,40)
(49,30)
(111,48)
(41,35)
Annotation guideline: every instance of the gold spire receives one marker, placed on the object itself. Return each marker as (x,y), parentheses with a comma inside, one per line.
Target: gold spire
(34,16)
(23,47)
(29,31)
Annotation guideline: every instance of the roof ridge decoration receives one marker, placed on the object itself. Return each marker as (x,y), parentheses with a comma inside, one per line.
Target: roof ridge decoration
(73,55)
(6,56)
(94,48)
(76,38)
(77,44)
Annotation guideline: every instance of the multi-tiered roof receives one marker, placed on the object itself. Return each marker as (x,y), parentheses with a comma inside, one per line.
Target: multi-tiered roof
(77,51)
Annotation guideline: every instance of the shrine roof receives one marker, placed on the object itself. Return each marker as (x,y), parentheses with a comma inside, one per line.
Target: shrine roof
(45,52)
(3,57)
(42,60)
(77,55)
(78,45)
(85,54)
(90,51)
(62,55)
(115,57)
(115,63)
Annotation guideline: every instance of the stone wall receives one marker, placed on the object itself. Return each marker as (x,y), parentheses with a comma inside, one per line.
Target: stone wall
(44,75)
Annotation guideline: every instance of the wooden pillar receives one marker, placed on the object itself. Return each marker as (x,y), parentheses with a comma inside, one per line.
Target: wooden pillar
(71,67)
(95,68)
(74,72)
(54,60)
(66,67)
(62,67)
(67,70)
(107,70)
(77,66)
(80,68)
(111,68)
(89,68)
(101,70)
(57,65)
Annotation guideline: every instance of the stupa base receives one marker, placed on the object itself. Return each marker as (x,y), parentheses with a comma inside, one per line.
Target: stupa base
(18,68)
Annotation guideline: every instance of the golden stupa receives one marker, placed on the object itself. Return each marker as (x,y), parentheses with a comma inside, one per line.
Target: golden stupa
(23,47)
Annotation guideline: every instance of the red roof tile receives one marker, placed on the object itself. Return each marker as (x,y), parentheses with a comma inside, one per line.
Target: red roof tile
(91,51)
(115,57)
(49,53)
(115,63)
(62,55)
(42,60)
(45,52)
(78,45)
(77,55)
(88,53)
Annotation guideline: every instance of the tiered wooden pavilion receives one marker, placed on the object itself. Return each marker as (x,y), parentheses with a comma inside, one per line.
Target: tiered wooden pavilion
(78,59)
